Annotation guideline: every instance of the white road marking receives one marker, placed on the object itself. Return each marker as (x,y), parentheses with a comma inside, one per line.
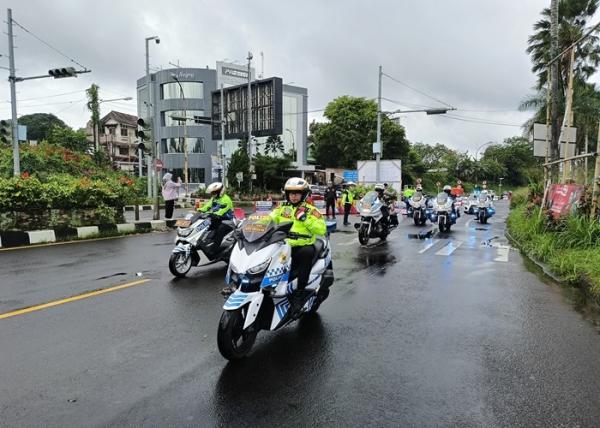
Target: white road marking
(468,224)
(427,247)
(503,251)
(449,249)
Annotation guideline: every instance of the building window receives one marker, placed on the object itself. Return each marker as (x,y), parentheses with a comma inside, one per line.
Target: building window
(124,151)
(191,90)
(111,130)
(195,175)
(176,145)
(124,132)
(167,117)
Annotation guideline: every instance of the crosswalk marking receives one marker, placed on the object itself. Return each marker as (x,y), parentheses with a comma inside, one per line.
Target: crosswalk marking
(449,249)
(502,251)
(427,246)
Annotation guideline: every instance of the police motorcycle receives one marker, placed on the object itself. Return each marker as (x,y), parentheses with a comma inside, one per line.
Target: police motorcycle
(417,208)
(259,268)
(372,222)
(484,209)
(442,212)
(194,240)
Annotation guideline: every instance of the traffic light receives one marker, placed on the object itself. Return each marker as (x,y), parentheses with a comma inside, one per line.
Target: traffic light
(59,73)
(142,131)
(5,132)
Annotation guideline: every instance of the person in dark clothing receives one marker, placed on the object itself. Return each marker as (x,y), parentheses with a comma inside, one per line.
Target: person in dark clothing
(330,200)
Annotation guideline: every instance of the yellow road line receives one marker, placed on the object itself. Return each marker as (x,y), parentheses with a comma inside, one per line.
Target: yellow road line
(72,299)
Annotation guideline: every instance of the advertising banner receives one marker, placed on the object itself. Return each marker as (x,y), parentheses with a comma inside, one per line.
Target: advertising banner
(564,198)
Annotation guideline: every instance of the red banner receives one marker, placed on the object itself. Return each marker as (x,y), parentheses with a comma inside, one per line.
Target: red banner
(564,198)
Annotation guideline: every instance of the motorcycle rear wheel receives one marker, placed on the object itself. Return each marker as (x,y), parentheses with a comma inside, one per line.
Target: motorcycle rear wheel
(233,341)
(180,264)
(363,234)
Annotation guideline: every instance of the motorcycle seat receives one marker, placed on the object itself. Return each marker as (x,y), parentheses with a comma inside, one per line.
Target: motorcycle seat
(320,249)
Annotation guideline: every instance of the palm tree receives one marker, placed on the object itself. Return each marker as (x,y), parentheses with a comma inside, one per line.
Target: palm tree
(274,145)
(573,16)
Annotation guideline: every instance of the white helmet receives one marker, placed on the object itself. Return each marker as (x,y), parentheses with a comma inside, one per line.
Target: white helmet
(215,189)
(379,186)
(447,187)
(296,184)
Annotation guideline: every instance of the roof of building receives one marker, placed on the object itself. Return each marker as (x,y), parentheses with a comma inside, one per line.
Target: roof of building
(123,118)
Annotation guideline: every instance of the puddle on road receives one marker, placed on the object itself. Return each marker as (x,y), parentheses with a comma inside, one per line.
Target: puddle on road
(423,234)
(111,276)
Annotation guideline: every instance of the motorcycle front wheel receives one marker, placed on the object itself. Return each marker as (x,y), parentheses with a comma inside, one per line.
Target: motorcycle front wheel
(180,264)
(233,341)
(442,225)
(363,234)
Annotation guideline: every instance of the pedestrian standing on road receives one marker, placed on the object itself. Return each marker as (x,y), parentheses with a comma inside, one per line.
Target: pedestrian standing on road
(170,192)
(330,200)
(347,200)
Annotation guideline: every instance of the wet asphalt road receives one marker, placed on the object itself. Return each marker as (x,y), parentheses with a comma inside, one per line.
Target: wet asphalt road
(447,331)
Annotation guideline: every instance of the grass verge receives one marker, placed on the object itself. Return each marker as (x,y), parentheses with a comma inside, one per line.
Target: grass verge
(571,250)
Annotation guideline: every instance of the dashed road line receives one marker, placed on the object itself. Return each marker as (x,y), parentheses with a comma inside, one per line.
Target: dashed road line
(427,246)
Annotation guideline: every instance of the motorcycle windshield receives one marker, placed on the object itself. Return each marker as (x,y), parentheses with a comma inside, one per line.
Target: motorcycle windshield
(482,197)
(442,198)
(256,226)
(417,197)
(368,201)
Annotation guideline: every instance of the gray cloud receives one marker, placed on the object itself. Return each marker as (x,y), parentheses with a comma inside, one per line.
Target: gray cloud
(468,53)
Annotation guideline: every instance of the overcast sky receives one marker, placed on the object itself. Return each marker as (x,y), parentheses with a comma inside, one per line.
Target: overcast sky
(467,53)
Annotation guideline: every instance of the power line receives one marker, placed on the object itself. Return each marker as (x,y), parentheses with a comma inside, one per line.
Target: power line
(416,90)
(480,122)
(48,96)
(49,45)
(400,103)
(48,104)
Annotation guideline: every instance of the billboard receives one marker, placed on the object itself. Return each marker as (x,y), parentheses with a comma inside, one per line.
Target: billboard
(267,110)
(232,74)
(390,172)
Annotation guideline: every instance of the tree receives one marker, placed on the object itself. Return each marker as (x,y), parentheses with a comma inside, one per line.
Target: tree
(93,105)
(271,172)
(513,160)
(67,138)
(573,16)
(274,145)
(240,162)
(351,131)
(40,124)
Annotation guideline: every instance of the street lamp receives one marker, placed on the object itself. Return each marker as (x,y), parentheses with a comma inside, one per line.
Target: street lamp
(185,149)
(293,142)
(500,187)
(152,183)
(477,159)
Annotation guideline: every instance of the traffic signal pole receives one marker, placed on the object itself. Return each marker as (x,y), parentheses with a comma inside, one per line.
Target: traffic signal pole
(13,97)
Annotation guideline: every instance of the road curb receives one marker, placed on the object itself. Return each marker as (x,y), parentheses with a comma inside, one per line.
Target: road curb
(18,238)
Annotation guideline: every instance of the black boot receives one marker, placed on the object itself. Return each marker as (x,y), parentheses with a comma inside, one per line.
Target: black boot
(298,299)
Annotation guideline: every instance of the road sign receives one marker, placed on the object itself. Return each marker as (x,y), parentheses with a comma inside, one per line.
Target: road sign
(350,175)
(158,165)
(438,184)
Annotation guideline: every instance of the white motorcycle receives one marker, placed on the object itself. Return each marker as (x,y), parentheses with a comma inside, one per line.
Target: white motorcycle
(193,239)
(372,223)
(417,208)
(484,209)
(260,269)
(442,213)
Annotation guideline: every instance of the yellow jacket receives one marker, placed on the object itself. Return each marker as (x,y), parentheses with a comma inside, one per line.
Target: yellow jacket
(313,225)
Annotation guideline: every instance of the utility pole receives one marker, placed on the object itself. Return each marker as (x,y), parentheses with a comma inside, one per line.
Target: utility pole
(548,126)
(379,145)
(13,97)
(569,115)
(554,148)
(250,118)
(220,151)
(596,180)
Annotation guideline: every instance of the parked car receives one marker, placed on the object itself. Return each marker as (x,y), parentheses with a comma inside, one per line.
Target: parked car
(469,203)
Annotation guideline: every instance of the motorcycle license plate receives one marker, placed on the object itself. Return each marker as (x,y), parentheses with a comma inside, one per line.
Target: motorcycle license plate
(182,223)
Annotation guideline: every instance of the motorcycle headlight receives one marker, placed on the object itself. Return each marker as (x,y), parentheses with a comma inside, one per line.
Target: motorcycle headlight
(185,232)
(259,268)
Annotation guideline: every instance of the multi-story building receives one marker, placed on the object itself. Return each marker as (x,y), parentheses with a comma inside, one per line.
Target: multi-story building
(180,93)
(117,138)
